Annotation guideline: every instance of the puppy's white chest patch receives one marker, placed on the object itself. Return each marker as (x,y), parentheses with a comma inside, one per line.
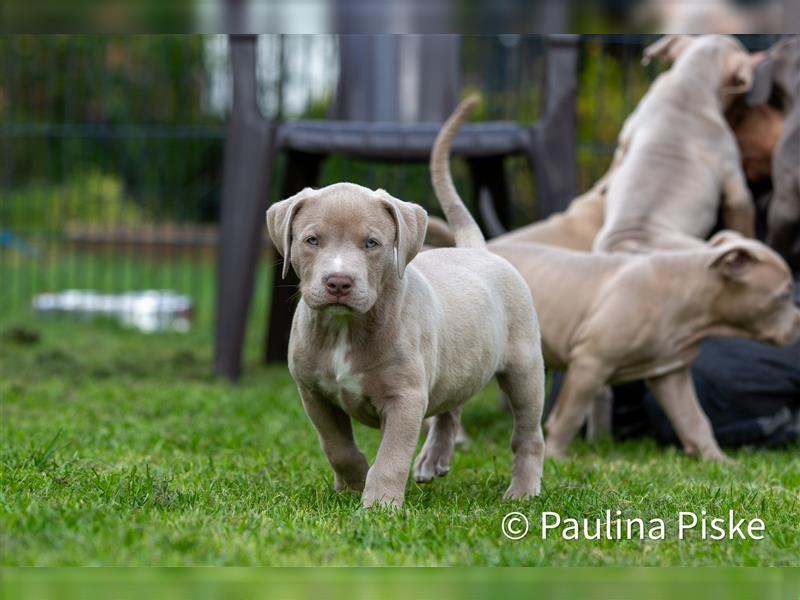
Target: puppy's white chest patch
(340,382)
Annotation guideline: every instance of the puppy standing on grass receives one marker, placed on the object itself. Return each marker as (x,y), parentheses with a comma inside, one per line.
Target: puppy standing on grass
(389,341)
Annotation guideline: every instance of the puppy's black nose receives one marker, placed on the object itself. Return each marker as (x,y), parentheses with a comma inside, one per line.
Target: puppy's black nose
(338,284)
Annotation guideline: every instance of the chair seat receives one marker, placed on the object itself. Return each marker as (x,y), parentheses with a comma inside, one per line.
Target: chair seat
(400,141)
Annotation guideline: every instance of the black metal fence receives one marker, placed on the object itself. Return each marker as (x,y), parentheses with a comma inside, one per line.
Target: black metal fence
(111,151)
(112,146)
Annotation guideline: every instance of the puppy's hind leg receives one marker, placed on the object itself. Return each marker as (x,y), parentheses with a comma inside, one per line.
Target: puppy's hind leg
(524,386)
(437,452)
(581,384)
(676,394)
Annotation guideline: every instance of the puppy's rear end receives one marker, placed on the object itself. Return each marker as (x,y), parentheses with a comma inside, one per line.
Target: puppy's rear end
(521,370)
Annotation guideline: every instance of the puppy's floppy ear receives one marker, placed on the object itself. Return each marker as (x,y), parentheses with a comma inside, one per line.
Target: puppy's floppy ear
(668,48)
(786,64)
(410,221)
(733,261)
(726,236)
(279,224)
(761,89)
(739,78)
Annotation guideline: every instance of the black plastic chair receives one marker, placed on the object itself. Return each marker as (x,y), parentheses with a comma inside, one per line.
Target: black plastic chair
(376,118)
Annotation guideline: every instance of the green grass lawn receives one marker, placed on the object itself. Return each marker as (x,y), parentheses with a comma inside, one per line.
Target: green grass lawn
(119,449)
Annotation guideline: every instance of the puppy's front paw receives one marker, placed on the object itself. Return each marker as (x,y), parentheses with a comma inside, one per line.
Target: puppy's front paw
(520,491)
(343,485)
(350,475)
(381,499)
(706,452)
(716,455)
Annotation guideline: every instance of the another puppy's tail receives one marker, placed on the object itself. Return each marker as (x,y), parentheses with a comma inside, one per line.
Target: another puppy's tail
(465,230)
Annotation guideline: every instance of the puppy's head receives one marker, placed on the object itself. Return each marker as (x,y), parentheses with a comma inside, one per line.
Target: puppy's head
(757,290)
(720,54)
(344,242)
(736,65)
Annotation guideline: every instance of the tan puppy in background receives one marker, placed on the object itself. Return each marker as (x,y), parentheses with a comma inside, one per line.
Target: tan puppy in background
(575,228)
(677,155)
(389,337)
(611,318)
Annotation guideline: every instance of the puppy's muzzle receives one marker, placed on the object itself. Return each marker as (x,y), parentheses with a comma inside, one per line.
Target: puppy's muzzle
(338,285)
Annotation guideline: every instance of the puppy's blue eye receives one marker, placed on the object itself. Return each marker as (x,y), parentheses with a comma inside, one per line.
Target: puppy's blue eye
(372,243)
(313,240)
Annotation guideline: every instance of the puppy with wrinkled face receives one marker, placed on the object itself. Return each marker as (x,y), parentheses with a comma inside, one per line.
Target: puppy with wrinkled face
(389,337)
(634,317)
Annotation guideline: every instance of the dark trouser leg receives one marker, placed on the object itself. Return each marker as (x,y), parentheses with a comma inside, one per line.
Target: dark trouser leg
(749,390)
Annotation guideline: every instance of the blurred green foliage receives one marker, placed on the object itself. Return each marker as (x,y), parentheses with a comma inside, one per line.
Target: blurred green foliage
(135,106)
(90,197)
(610,84)
(143,79)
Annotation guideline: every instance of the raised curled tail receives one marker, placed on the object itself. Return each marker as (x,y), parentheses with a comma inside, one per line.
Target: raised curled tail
(465,230)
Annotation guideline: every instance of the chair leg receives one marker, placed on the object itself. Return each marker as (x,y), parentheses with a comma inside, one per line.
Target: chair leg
(552,152)
(488,173)
(245,186)
(302,170)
